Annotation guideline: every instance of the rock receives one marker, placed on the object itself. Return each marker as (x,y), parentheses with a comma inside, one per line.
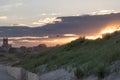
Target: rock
(113,76)
(114,67)
(4,74)
(60,74)
(15,72)
(22,74)
(91,77)
(32,76)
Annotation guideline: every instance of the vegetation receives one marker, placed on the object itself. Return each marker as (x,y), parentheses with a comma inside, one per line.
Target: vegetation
(87,56)
(79,73)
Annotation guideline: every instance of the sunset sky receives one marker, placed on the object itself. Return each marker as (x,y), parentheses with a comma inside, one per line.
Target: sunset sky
(48,19)
(39,12)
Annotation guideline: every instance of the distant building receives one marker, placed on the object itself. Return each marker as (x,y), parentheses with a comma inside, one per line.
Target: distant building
(5,46)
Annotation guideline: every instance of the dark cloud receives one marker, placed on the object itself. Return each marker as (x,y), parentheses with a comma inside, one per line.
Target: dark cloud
(82,25)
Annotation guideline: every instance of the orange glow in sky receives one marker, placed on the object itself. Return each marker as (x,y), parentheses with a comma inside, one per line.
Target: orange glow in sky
(53,41)
(109,29)
(93,37)
(33,41)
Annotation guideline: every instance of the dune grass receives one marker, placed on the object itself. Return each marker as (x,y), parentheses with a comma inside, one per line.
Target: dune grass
(87,56)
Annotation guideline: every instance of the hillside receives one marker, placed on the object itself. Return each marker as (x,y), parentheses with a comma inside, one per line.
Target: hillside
(84,57)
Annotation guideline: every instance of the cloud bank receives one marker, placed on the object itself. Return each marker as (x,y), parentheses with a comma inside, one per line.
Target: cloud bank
(60,32)
(3,17)
(79,25)
(47,21)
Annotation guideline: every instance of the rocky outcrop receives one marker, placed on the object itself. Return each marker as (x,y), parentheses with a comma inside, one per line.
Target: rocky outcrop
(113,76)
(92,77)
(114,73)
(15,72)
(4,74)
(20,73)
(60,74)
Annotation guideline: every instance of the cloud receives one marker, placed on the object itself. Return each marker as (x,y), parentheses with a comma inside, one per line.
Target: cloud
(103,12)
(19,24)
(3,17)
(55,14)
(9,6)
(50,14)
(18,4)
(16,17)
(69,35)
(47,21)
(43,14)
(86,25)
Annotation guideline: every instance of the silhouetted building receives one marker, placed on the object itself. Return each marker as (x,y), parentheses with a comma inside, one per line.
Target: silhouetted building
(5,46)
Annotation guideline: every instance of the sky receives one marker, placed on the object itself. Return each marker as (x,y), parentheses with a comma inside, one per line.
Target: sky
(49,18)
(40,12)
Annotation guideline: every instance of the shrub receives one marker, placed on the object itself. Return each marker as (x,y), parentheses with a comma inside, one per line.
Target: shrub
(79,73)
(102,72)
(106,36)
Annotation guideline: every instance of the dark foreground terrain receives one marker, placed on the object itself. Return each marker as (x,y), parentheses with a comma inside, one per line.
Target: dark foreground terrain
(4,75)
(81,59)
